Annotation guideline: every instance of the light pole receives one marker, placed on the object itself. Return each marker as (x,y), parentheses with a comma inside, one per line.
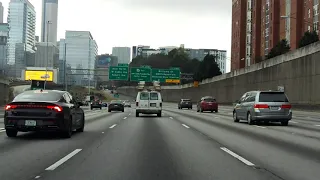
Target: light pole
(46,75)
(64,66)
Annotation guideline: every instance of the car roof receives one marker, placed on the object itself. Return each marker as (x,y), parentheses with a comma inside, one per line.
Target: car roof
(208,97)
(44,91)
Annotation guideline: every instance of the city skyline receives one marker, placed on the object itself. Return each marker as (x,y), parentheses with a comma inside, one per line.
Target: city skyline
(196,29)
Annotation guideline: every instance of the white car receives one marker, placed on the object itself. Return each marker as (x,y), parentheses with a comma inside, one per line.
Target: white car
(149,102)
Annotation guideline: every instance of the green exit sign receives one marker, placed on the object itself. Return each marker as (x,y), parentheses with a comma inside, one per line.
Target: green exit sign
(166,75)
(140,74)
(119,73)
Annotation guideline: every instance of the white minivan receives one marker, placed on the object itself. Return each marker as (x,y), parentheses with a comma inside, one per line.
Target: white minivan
(149,102)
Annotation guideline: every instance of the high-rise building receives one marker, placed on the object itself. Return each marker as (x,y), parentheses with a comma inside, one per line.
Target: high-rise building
(123,54)
(22,25)
(4,33)
(258,25)
(49,22)
(238,42)
(1,12)
(47,55)
(79,49)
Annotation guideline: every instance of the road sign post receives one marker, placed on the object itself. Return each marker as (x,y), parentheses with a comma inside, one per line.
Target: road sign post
(118,73)
(166,75)
(140,74)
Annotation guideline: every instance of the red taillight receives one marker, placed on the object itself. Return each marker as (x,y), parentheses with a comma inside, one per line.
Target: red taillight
(56,108)
(137,103)
(8,107)
(261,106)
(286,106)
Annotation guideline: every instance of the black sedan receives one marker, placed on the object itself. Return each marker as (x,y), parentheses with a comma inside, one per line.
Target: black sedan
(185,103)
(96,104)
(44,110)
(116,106)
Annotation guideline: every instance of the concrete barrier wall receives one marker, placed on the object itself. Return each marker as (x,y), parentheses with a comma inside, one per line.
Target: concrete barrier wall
(298,71)
(4,91)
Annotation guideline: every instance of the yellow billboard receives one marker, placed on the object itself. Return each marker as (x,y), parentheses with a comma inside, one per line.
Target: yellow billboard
(38,75)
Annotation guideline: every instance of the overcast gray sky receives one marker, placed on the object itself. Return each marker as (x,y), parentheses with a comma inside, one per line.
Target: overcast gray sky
(195,23)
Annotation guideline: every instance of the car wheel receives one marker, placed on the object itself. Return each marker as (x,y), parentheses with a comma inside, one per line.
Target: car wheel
(91,108)
(11,133)
(159,114)
(109,110)
(137,114)
(235,116)
(216,110)
(68,133)
(100,108)
(122,110)
(81,129)
(285,123)
(249,119)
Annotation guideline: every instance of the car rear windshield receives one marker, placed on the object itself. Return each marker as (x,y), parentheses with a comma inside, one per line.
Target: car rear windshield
(186,100)
(154,96)
(115,101)
(38,96)
(144,96)
(209,100)
(273,97)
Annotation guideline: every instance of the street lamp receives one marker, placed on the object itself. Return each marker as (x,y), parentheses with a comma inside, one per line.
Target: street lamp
(46,76)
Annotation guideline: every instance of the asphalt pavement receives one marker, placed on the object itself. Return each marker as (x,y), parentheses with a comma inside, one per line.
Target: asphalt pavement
(182,144)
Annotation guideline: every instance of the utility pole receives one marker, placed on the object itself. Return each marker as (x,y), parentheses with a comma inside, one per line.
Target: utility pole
(46,76)
(64,66)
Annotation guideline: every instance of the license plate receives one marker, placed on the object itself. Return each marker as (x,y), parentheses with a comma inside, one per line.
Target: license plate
(274,108)
(30,123)
(153,105)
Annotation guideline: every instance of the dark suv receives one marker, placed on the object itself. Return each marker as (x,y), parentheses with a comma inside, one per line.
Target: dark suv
(185,103)
(96,104)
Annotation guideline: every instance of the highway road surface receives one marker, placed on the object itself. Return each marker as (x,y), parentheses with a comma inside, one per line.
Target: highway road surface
(182,144)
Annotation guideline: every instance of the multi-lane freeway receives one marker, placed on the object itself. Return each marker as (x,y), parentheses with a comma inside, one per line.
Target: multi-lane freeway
(182,144)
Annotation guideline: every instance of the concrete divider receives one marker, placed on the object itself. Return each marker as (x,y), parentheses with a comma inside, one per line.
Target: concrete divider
(297,71)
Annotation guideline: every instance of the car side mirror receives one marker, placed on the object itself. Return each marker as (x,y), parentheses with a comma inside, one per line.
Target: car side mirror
(237,102)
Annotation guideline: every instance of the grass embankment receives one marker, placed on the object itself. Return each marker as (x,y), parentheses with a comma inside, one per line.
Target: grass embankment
(81,92)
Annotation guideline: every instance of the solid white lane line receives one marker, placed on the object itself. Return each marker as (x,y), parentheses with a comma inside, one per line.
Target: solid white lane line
(185,126)
(37,177)
(171,117)
(129,114)
(125,118)
(216,117)
(293,122)
(317,125)
(237,156)
(112,126)
(259,126)
(64,159)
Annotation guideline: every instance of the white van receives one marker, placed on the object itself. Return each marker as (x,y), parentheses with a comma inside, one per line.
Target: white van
(149,102)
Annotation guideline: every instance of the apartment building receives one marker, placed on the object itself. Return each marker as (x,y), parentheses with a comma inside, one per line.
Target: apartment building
(258,25)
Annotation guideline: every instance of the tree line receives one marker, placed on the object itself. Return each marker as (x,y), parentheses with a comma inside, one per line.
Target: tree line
(283,46)
(201,69)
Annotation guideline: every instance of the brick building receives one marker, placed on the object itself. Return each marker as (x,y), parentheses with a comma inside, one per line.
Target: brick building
(258,25)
